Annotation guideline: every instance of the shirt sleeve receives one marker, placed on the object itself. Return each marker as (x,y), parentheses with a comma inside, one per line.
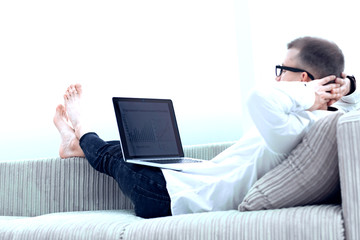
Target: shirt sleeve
(278,112)
(349,103)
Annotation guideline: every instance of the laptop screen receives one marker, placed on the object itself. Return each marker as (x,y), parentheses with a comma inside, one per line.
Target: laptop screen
(147,128)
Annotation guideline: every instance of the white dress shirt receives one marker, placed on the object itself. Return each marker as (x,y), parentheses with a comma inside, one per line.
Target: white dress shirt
(281,120)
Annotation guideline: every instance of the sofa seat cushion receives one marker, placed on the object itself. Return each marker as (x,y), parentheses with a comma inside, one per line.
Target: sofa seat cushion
(4,219)
(310,222)
(107,224)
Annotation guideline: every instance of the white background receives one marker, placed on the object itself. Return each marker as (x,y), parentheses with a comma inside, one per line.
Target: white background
(203,54)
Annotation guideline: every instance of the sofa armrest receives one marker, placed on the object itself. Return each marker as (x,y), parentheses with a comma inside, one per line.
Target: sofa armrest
(348,136)
(36,187)
(206,151)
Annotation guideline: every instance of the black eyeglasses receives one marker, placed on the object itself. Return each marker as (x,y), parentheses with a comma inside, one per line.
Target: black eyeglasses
(279,70)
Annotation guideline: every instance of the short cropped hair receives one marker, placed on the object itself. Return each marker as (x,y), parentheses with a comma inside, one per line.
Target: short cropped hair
(318,56)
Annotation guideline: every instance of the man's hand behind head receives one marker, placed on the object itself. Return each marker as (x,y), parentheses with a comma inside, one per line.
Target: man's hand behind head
(343,90)
(325,92)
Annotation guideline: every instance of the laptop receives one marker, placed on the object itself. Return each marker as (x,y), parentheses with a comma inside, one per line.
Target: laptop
(149,134)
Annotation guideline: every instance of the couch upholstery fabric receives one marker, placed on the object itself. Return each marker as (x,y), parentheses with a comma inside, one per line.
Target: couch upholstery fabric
(66,199)
(348,131)
(309,175)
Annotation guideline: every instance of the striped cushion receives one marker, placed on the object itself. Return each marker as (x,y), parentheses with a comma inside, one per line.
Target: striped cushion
(309,175)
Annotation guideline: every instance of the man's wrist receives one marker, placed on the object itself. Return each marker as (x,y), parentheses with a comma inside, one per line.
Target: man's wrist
(352,84)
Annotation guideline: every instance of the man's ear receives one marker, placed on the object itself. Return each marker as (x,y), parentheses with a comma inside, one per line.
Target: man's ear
(305,77)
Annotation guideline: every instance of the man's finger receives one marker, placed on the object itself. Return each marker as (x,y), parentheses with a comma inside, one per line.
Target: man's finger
(329,96)
(340,81)
(327,79)
(330,87)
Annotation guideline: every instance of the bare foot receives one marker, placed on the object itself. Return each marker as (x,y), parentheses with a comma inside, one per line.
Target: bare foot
(69,146)
(72,99)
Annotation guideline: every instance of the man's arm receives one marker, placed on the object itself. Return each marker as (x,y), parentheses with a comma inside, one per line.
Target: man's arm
(280,111)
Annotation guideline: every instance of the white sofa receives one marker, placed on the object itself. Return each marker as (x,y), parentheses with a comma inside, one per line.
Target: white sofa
(66,199)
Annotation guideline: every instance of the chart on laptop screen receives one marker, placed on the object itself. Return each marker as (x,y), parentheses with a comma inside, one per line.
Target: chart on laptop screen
(148,129)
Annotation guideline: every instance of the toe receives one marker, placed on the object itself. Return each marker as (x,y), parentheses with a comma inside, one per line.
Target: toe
(78,88)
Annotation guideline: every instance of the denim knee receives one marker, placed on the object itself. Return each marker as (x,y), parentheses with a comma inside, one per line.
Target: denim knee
(145,186)
(149,204)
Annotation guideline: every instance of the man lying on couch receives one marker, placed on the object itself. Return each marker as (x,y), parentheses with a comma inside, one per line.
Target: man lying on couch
(282,112)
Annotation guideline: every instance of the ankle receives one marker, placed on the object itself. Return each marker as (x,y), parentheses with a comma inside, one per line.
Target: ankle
(80,131)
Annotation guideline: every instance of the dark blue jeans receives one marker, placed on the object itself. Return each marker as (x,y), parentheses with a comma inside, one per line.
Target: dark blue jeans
(145,186)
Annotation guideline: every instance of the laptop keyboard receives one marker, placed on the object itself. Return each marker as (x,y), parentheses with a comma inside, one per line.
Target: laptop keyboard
(174,160)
